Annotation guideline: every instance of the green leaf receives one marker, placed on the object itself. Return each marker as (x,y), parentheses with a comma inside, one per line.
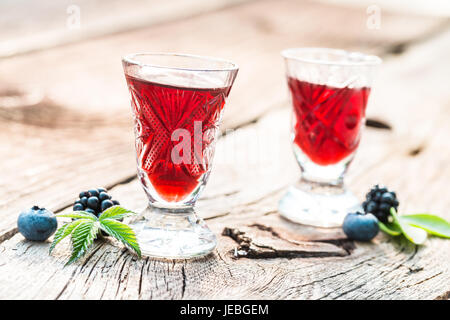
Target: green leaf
(432,224)
(116,213)
(392,229)
(82,238)
(78,215)
(64,231)
(121,232)
(413,234)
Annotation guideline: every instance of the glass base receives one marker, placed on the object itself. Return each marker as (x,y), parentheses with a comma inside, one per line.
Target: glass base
(173,233)
(318,205)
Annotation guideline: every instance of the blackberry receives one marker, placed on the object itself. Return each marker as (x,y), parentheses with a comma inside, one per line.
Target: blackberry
(84,194)
(83,201)
(379,201)
(106,204)
(90,211)
(78,207)
(92,202)
(104,196)
(93,192)
(95,201)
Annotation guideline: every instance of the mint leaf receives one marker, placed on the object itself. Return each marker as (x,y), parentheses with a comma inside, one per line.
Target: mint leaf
(392,229)
(432,224)
(64,231)
(121,232)
(116,213)
(78,215)
(413,234)
(82,238)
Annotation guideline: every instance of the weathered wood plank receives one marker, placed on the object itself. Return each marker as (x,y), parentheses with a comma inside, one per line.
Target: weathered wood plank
(243,195)
(69,141)
(58,23)
(97,79)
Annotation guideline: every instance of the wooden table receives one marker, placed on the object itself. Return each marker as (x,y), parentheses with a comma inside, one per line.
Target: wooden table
(70,129)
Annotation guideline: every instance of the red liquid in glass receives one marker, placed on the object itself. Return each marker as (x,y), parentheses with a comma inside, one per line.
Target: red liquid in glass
(328,120)
(159,110)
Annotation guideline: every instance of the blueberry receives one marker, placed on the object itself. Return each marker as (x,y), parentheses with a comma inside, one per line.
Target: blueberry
(106,204)
(78,207)
(37,224)
(104,196)
(84,194)
(92,202)
(90,210)
(84,201)
(93,192)
(116,203)
(102,190)
(361,227)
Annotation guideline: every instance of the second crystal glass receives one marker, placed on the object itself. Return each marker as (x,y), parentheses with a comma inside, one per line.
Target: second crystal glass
(177,103)
(329,90)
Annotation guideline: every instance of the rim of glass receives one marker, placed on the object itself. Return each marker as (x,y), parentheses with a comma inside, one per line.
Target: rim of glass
(130,58)
(366,59)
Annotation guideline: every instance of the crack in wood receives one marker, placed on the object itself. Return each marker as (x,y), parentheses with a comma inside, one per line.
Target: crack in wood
(345,292)
(95,263)
(91,254)
(416,151)
(355,267)
(444,296)
(426,279)
(66,285)
(141,275)
(183,274)
(403,46)
(248,247)
(119,278)
(224,214)
(414,270)
(378,124)
(346,244)
(8,234)
(227,266)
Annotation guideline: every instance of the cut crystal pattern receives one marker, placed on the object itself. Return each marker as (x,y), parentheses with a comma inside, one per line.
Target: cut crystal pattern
(159,110)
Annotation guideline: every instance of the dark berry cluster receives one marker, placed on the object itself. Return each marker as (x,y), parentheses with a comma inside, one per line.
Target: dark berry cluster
(94,201)
(379,201)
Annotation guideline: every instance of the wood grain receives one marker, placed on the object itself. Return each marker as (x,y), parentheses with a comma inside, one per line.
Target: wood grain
(54,24)
(79,133)
(253,167)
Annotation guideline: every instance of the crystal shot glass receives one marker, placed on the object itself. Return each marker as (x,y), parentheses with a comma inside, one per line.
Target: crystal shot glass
(177,104)
(329,90)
